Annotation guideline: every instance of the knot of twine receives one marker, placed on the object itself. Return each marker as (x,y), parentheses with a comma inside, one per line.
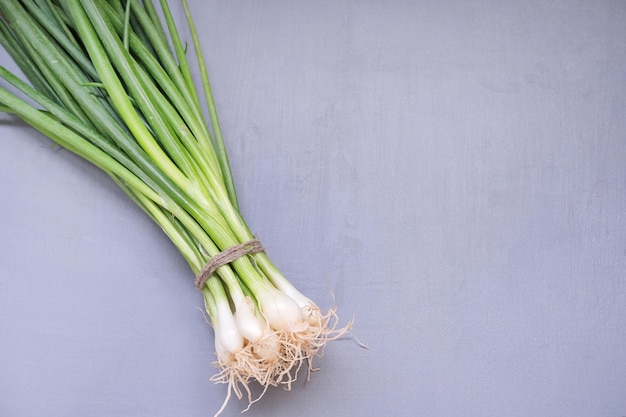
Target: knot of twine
(226,257)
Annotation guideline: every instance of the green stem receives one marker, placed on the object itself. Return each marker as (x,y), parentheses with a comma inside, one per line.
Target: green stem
(115,89)
(217,131)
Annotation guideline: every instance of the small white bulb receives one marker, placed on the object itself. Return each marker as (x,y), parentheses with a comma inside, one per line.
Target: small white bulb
(226,331)
(267,348)
(250,326)
(281,311)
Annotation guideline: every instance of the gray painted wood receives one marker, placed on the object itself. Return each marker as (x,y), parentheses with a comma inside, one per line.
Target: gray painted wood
(451,172)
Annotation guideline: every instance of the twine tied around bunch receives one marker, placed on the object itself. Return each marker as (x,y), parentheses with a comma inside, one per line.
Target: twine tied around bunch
(227,256)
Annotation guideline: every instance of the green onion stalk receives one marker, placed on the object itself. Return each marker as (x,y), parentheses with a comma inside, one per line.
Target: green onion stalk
(110,81)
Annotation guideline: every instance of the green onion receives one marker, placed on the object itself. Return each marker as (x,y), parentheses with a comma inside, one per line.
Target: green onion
(110,82)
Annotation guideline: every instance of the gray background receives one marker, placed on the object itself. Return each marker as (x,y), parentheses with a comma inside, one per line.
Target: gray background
(452,172)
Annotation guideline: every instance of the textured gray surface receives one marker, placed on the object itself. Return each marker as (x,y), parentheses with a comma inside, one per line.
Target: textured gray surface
(452,172)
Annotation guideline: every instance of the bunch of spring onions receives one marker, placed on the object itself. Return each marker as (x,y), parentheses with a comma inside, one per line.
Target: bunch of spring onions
(110,81)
